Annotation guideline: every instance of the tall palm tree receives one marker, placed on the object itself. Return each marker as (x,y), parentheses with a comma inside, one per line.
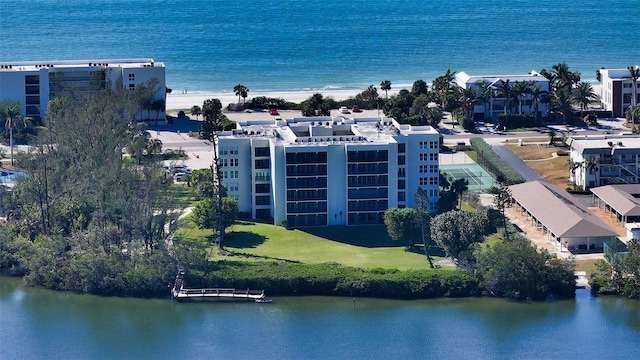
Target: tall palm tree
(10,111)
(520,90)
(484,95)
(539,96)
(240,91)
(590,165)
(386,86)
(583,95)
(505,91)
(634,73)
(573,167)
(468,98)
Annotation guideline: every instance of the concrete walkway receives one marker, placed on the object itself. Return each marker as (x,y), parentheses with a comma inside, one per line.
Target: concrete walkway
(516,163)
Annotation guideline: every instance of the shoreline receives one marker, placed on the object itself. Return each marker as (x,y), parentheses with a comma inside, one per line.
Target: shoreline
(181,101)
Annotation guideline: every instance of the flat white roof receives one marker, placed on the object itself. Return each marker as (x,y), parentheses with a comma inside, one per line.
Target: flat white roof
(326,130)
(31,65)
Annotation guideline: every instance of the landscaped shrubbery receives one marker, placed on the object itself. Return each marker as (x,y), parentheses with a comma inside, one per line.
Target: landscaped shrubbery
(491,162)
(330,279)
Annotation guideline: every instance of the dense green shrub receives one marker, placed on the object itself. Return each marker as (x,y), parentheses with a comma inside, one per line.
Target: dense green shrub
(515,121)
(284,279)
(491,162)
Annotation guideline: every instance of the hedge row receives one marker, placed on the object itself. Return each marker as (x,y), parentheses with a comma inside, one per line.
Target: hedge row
(491,162)
(514,121)
(330,279)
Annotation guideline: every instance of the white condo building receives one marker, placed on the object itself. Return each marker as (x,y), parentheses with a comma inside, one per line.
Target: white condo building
(34,83)
(617,90)
(495,104)
(614,159)
(328,171)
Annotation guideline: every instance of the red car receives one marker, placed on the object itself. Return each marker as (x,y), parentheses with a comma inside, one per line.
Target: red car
(273,112)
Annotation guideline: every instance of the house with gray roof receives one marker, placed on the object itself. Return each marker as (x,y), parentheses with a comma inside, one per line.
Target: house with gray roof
(623,201)
(567,223)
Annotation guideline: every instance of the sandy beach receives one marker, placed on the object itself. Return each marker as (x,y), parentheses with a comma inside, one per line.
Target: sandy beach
(179,100)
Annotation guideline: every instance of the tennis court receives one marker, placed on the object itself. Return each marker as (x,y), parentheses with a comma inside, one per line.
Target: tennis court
(478,178)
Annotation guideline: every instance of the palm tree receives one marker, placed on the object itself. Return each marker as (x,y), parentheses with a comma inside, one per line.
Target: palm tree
(459,187)
(520,90)
(505,91)
(468,99)
(538,95)
(573,167)
(196,110)
(10,111)
(484,95)
(634,76)
(386,86)
(240,91)
(590,165)
(583,95)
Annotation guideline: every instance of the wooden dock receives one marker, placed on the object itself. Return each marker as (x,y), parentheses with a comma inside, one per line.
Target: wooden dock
(218,294)
(179,292)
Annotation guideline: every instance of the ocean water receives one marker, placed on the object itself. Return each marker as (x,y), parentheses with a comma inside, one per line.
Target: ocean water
(267,45)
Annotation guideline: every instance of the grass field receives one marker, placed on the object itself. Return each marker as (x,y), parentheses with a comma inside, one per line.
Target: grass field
(364,246)
(541,159)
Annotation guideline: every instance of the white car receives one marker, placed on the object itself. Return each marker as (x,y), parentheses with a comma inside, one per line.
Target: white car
(180,177)
(344,110)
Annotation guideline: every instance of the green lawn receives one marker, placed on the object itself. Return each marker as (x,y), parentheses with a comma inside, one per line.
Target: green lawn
(364,246)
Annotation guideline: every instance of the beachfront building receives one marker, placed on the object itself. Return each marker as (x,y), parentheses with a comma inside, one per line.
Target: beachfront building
(492,102)
(618,89)
(604,159)
(328,171)
(34,83)
(566,222)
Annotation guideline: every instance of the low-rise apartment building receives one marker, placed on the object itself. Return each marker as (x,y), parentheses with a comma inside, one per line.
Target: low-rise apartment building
(605,159)
(34,83)
(328,171)
(492,104)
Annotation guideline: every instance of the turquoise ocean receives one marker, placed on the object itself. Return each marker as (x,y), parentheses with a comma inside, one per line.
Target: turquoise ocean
(284,45)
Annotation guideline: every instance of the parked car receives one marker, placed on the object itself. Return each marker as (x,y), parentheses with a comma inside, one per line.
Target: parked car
(273,112)
(180,177)
(355,108)
(344,110)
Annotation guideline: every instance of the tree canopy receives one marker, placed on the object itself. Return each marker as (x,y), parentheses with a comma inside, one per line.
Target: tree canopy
(455,231)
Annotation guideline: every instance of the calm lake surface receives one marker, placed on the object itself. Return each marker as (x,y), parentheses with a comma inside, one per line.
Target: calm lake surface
(38,324)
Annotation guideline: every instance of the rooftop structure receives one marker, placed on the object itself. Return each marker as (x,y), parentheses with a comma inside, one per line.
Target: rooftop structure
(618,89)
(564,219)
(494,103)
(328,171)
(34,83)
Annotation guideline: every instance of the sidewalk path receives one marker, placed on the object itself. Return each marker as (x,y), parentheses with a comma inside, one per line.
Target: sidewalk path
(516,163)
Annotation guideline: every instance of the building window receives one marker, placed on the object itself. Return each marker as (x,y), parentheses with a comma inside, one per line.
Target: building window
(230,174)
(433,156)
(132,77)
(402,196)
(132,87)
(233,150)
(401,172)
(401,160)
(233,162)
(433,180)
(433,168)
(424,181)
(401,184)
(433,144)
(224,150)
(233,186)
(224,162)
(401,148)
(424,169)
(424,157)
(424,145)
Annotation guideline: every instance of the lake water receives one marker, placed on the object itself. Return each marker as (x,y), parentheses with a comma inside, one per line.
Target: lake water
(212,45)
(37,324)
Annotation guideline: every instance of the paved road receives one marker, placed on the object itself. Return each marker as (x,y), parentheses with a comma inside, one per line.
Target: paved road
(516,163)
